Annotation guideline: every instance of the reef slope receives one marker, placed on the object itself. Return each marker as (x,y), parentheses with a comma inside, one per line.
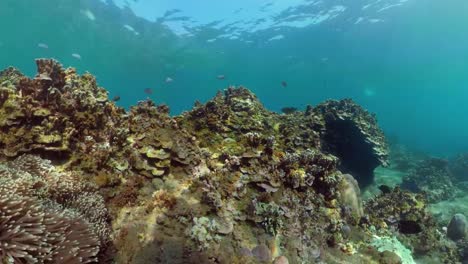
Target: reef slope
(226,182)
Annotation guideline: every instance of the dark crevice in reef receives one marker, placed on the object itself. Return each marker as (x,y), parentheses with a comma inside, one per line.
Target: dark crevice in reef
(345,141)
(352,134)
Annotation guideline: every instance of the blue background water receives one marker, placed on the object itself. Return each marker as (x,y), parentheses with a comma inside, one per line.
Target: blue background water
(410,68)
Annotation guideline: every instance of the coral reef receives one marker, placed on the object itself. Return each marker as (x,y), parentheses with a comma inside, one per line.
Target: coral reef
(60,116)
(432,177)
(352,134)
(226,182)
(405,214)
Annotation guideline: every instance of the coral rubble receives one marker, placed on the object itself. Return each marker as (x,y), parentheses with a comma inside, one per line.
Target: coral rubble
(226,182)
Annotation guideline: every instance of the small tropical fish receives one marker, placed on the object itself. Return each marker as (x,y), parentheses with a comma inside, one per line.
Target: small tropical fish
(42,46)
(148,91)
(221,77)
(116,98)
(284,84)
(169,80)
(76,56)
(131,29)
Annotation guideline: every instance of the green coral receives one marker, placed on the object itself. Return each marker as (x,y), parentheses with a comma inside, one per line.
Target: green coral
(203,231)
(271,216)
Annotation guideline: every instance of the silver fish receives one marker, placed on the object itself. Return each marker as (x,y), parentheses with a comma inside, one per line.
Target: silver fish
(42,46)
(76,56)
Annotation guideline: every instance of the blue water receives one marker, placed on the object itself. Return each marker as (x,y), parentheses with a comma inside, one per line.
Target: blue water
(407,63)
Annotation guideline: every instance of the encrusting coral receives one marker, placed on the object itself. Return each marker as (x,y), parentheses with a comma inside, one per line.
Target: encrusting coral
(227,182)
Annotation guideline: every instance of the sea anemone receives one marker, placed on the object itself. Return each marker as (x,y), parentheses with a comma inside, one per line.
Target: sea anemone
(30,233)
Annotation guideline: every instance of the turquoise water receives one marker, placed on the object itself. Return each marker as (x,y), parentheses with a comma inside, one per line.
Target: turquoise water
(404,60)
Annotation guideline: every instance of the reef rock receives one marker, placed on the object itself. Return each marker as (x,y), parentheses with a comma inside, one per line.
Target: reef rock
(457,227)
(350,196)
(281,260)
(352,134)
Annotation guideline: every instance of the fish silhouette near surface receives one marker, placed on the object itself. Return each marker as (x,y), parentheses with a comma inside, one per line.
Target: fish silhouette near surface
(76,56)
(42,46)
(148,91)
